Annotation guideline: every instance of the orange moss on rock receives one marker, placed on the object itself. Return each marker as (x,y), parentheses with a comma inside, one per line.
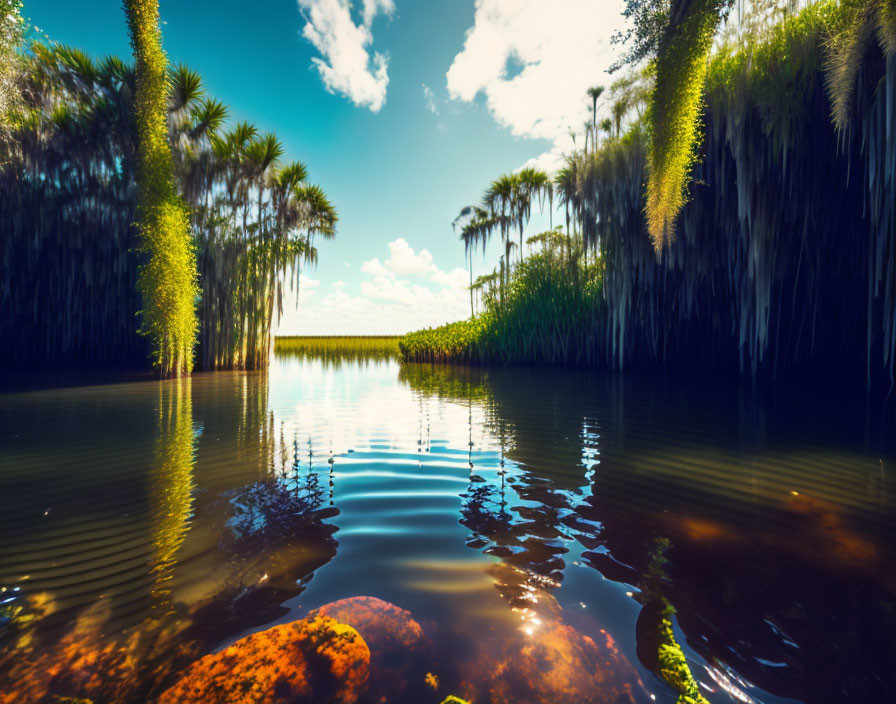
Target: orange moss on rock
(400,654)
(315,659)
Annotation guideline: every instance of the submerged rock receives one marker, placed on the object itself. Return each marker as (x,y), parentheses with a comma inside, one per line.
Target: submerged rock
(315,659)
(558,665)
(400,655)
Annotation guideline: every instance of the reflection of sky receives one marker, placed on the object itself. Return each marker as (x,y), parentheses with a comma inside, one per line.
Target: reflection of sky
(363,408)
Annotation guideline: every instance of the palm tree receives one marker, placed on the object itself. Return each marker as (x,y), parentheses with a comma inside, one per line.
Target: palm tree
(531,184)
(253,221)
(594,93)
(501,201)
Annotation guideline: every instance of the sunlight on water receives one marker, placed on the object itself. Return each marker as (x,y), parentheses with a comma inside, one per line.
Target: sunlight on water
(507,511)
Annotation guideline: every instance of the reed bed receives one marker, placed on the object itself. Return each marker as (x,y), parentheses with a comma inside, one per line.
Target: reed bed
(338,349)
(546,314)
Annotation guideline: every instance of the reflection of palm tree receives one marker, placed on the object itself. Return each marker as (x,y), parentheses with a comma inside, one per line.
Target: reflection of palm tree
(172,478)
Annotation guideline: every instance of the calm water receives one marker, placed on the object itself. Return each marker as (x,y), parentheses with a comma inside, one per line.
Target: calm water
(186,514)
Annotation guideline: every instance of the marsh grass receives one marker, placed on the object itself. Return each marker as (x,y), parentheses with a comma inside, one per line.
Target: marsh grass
(338,349)
(547,314)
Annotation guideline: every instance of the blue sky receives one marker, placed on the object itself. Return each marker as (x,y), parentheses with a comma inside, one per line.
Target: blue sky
(403,111)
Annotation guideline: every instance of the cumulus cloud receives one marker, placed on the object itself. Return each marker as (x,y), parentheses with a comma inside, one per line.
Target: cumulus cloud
(346,66)
(405,291)
(404,262)
(533,62)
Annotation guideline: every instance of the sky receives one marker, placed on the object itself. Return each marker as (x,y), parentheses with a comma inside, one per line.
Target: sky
(402,110)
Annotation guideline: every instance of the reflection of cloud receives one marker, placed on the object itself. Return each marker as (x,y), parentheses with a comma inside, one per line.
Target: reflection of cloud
(347,67)
(533,62)
(406,291)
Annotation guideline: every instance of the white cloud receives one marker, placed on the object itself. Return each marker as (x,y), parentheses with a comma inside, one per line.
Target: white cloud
(375,268)
(430,99)
(347,66)
(307,285)
(404,262)
(557,50)
(407,291)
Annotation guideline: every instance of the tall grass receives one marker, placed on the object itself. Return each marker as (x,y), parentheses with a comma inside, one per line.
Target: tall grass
(547,314)
(338,349)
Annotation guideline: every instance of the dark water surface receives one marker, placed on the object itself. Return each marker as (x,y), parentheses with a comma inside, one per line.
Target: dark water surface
(169,519)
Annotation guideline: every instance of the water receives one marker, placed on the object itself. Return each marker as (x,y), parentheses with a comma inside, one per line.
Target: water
(166,520)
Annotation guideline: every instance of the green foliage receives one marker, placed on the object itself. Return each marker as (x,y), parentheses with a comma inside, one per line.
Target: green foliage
(679,36)
(851,32)
(675,114)
(11,39)
(782,264)
(674,668)
(69,177)
(546,314)
(338,349)
(168,280)
(453,342)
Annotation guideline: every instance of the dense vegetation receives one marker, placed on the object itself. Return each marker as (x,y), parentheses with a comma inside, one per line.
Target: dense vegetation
(785,254)
(338,349)
(546,312)
(71,255)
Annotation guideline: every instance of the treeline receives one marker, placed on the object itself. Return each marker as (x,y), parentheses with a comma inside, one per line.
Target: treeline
(783,255)
(70,253)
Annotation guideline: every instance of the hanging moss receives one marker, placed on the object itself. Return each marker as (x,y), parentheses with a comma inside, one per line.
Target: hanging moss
(11,30)
(675,114)
(168,280)
(785,259)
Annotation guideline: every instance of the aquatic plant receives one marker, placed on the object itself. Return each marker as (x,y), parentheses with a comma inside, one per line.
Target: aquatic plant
(167,281)
(674,668)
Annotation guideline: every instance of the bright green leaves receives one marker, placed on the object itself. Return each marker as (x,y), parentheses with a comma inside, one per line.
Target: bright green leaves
(674,668)
(11,33)
(675,114)
(168,281)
